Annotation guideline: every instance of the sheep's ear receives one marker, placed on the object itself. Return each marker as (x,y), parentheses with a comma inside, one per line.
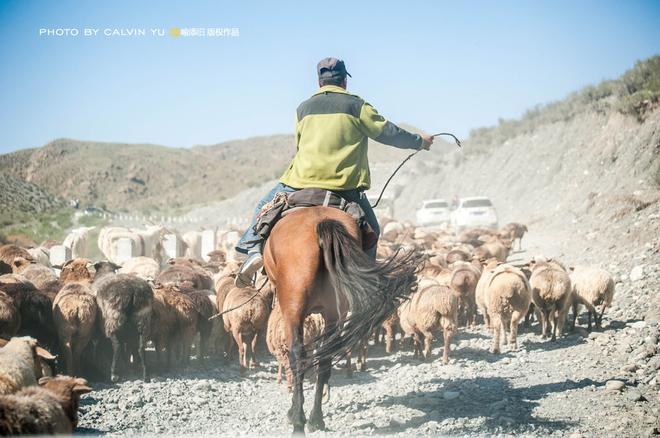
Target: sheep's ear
(82,389)
(81,386)
(57,266)
(44,354)
(65,264)
(45,380)
(115,266)
(3,342)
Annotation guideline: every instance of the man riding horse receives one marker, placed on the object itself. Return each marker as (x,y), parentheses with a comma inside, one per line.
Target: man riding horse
(331,129)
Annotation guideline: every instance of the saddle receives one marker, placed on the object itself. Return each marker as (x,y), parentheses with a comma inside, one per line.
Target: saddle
(284,203)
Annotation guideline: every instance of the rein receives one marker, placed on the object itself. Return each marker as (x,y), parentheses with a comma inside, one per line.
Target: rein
(242,304)
(458,142)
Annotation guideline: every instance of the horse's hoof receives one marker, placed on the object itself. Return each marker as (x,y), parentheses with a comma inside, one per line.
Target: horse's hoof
(314,425)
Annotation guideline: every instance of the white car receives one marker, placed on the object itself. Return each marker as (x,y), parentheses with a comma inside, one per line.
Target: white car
(433,212)
(474,212)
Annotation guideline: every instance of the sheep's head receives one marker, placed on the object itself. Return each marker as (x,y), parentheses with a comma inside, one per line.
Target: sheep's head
(67,390)
(41,358)
(79,270)
(20,263)
(105,267)
(217,256)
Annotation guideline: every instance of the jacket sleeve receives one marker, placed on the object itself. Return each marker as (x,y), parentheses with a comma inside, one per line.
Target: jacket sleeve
(383,131)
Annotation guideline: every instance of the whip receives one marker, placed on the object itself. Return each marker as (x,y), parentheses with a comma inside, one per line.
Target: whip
(458,142)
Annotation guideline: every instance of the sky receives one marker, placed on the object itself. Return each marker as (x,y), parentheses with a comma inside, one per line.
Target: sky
(440,66)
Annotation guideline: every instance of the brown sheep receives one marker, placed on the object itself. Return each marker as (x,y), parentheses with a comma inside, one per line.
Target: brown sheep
(497,248)
(80,270)
(8,254)
(67,390)
(186,317)
(508,295)
(74,313)
(514,231)
(219,337)
(179,273)
(464,280)
(456,255)
(222,288)
(20,363)
(551,294)
(124,303)
(593,288)
(42,277)
(472,235)
(390,327)
(48,409)
(217,257)
(313,327)
(205,309)
(432,307)
(247,321)
(163,327)
(10,317)
(35,308)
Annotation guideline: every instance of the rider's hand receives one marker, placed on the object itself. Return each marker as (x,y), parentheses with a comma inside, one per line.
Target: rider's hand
(427,141)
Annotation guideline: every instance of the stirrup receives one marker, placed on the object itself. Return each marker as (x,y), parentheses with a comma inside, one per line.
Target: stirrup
(243,281)
(247,274)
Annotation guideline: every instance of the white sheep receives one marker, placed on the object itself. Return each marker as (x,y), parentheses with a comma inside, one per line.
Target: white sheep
(20,364)
(594,288)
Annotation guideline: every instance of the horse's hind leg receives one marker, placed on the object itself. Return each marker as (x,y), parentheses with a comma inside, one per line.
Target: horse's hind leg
(323,377)
(296,361)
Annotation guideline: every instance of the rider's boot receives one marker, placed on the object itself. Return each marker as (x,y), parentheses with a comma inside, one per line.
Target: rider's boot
(250,267)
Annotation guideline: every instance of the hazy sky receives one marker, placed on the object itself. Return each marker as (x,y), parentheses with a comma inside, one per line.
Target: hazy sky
(437,65)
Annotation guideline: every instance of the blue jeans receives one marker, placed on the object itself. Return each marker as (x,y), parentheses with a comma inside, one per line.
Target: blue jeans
(243,245)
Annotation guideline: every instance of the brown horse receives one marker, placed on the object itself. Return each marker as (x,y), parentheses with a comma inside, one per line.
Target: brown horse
(315,261)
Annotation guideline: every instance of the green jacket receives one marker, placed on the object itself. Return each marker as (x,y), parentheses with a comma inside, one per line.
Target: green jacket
(331,138)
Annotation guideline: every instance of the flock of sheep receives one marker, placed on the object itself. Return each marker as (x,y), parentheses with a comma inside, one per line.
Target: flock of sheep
(95,319)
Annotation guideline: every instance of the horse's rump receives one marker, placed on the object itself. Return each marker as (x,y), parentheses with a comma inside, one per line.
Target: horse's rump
(315,252)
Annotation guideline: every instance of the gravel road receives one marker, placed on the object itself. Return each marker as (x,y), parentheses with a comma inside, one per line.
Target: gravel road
(604,383)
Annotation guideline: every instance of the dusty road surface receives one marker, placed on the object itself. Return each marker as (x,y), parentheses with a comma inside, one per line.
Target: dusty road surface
(603,383)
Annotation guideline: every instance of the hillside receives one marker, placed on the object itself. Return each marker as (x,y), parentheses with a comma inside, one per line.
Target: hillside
(144,177)
(150,178)
(19,197)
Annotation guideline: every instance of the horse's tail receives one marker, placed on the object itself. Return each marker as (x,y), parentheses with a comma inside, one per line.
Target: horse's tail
(371,288)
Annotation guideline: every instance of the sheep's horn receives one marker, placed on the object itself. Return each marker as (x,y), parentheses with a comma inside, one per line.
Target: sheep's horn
(45,354)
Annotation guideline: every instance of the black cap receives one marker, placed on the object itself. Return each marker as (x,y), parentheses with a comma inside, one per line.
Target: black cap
(331,67)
